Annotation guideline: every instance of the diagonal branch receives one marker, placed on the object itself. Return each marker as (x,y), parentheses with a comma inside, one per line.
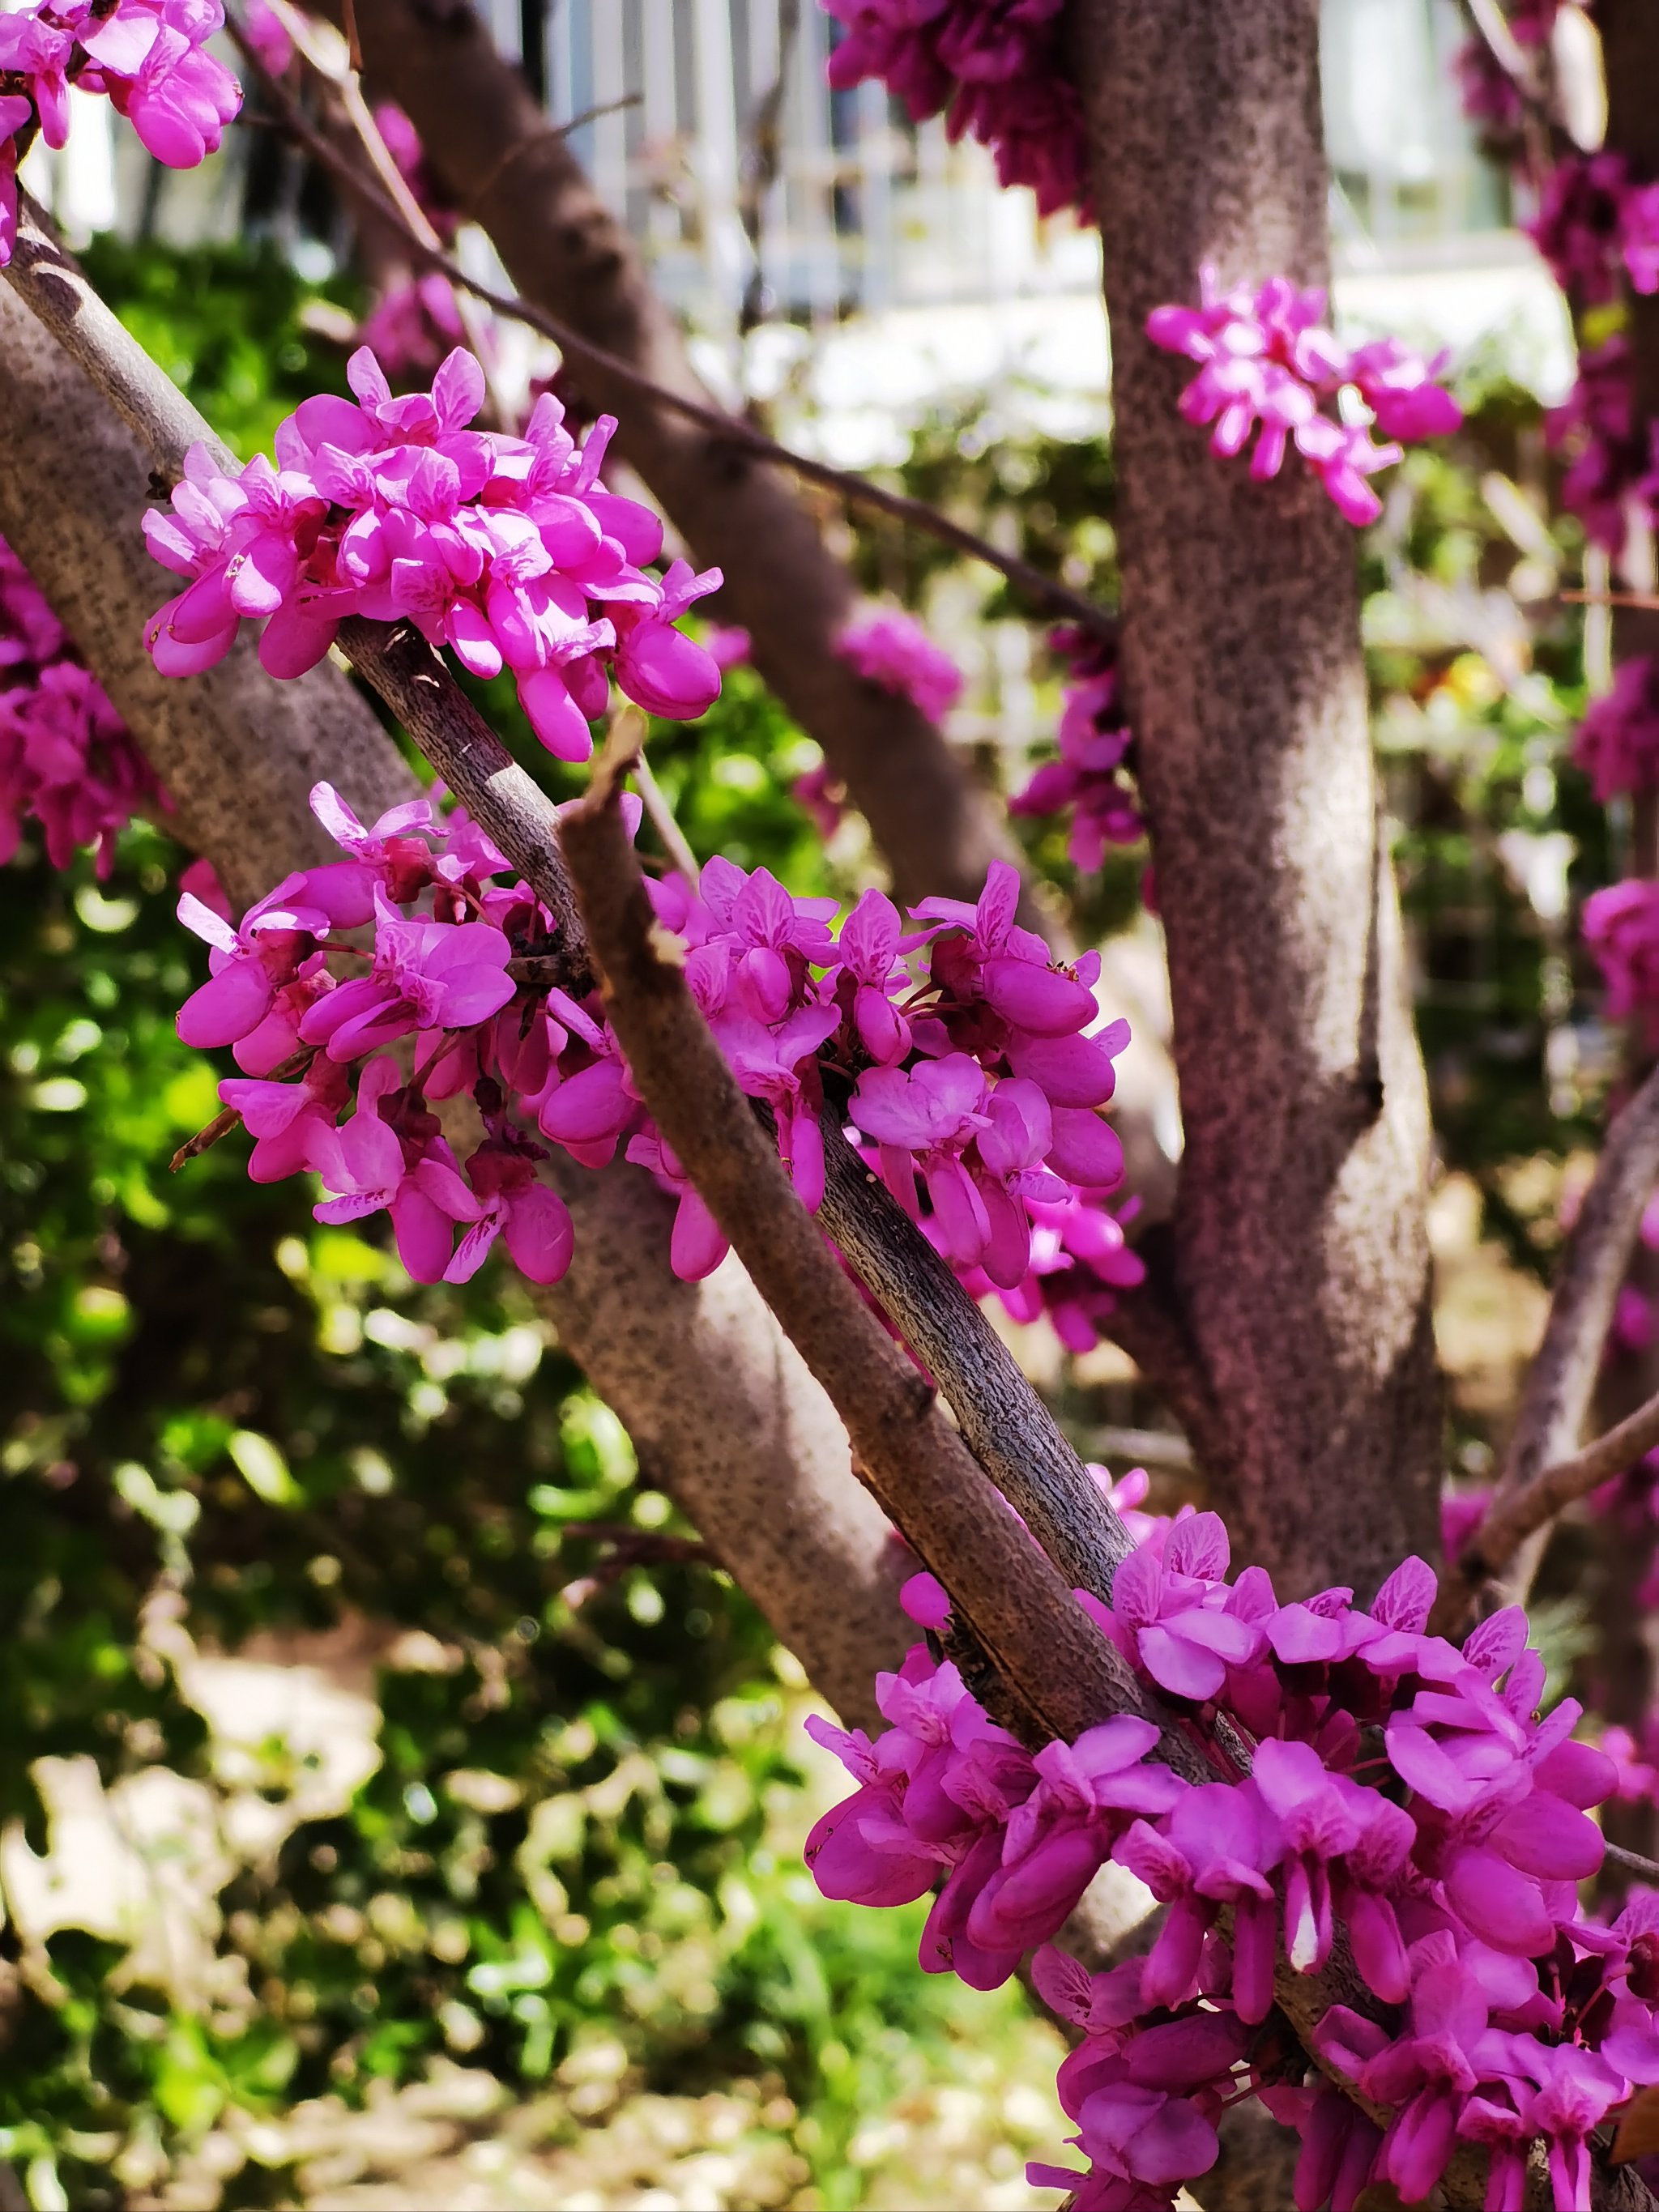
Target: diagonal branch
(917,1465)
(1593,1262)
(1507,1524)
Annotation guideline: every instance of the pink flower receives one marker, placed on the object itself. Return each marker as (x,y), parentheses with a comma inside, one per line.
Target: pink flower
(1218,1847)
(250,965)
(893,650)
(1170,1616)
(1621,927)
(427,976)
(1267,364)
(1618,740)
(372,1168)
(533,1221)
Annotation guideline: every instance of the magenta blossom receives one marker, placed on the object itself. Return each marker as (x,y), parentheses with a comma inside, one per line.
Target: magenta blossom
(892,649)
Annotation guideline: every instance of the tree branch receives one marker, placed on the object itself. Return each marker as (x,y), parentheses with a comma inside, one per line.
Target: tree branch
(1507,1526)
(1593,1258)
(721,1410)
(1300,1242)
(915,1464)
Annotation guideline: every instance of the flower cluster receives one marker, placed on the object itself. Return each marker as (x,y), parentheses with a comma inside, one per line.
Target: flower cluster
(1398,1787)
(959,1053)
(1609,471)
(1621,927)
(1094,740)
(892,649)
(993,67)
(1268,364)
(66,759)
(1595,226)
(1618,741)
(149,56)
(509,550)
(1491,96)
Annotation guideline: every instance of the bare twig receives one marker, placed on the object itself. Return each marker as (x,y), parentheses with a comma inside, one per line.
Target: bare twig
(1507,1526)
(731,430)
(762,162)
(661,815)
(344,77)
(1562,1377)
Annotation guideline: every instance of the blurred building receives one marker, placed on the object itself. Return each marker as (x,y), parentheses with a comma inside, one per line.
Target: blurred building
(823,238)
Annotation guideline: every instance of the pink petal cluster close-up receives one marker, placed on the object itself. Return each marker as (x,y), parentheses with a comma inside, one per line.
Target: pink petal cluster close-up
(1271,369)
(506,549)
(1400,1789)
(148,56)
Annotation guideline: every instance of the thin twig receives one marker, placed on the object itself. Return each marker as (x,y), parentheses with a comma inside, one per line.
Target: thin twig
(1507,1526)
(1633,1860)
(1562,1378)
(660,816)
(311,38)
(730,429)
(222,1124)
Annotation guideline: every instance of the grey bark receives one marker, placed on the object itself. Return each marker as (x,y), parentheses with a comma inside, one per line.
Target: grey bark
(1300,1251)
(722,1410)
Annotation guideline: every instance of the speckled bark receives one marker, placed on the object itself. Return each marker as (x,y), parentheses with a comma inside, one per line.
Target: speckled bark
(721,1409)
(1301,1252)
(501,158)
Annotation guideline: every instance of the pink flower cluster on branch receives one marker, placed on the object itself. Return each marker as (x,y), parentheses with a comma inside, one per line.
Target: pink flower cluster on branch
(1270,369)
(506,549)
(67,760)
(148,56)
(1400,1789)
(1621,928)
(1094,740)
(958,1053)
(1597,227)
(993,67)
(892,648)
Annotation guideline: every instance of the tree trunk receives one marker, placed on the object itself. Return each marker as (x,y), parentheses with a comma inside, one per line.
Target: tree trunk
(1301,1253)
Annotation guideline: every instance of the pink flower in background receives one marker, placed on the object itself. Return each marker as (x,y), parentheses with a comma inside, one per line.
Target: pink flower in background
(996,68)
(1269,368)
(268,36)
(67,760)
(1618,740)
(893,650)
(1094,740)
(1621,928)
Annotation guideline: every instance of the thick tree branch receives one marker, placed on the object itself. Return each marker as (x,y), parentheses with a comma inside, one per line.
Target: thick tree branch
(1010,1431)
(915,1464)
(1301,1259)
